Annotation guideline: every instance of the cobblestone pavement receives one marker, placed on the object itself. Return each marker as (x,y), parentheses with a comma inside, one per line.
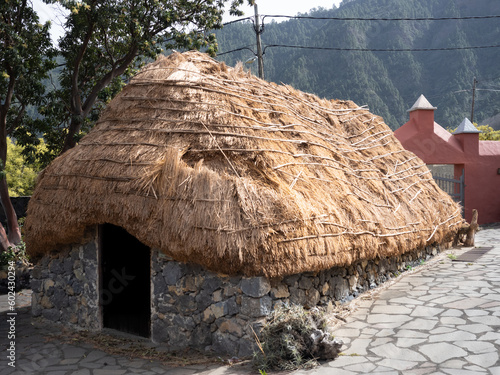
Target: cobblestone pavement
(442,319)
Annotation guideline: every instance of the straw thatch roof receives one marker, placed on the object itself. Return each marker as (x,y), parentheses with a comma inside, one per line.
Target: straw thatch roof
(215,166)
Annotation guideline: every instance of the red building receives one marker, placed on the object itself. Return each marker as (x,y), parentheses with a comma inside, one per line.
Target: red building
(479,160)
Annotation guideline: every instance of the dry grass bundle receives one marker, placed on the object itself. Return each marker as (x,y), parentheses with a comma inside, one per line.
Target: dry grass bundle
(295,338)
(213,165)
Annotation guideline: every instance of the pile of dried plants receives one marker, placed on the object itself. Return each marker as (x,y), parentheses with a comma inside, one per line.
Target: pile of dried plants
(295,338)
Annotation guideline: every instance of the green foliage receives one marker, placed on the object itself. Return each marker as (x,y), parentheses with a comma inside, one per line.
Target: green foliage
(21,175)
(17,253)
(488,133)
(105,43)
(452,256)
(26,57)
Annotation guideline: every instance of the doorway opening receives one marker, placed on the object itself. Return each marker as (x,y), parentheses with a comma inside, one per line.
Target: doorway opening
(125,282)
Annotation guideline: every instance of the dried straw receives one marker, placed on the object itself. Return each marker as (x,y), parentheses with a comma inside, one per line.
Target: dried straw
(215,166)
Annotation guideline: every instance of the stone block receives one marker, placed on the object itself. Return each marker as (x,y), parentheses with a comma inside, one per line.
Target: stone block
(90,251)
(186,303)
(232,307)
(201,336)
(51,314)
(48,283)
(203,299)
(159,331)
(234,326)
(340,288)
(36,285)
(280,291)
(217,295)
(184,322)
(256,307)
(68,265)
(305,283)
(247,347)
(46,303)
(225,343)
(79,274)
(291,280)
(172,272)
(353,281)
(159,284)
(255,286)
(211,283)
(60,298)
(90,271)
(312,298)
(230,290)
(298,296)
(56,267)
(191,283)
(213,312)
(36,273)
(77,287)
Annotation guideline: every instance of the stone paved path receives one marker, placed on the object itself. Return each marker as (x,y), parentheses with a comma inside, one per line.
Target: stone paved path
(444,319)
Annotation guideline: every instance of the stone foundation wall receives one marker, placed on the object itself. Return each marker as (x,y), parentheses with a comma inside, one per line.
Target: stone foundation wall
(196,308)
(65,286)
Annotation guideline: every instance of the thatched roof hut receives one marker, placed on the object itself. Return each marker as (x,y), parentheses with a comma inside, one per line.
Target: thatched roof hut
(217,167)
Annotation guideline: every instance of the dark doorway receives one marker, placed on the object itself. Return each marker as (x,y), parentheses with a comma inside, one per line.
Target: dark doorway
(125,288)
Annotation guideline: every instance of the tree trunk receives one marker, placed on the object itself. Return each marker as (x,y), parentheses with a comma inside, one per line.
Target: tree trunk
(4,241)
(14,234)
(73,129)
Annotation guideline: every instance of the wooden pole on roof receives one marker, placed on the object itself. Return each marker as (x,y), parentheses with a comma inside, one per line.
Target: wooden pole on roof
(473,100)
(258,31)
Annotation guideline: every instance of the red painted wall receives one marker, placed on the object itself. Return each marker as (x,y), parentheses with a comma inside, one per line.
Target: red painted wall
(480,160)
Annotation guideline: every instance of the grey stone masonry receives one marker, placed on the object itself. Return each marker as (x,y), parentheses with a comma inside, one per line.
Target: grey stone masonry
(65,286)
(192,307)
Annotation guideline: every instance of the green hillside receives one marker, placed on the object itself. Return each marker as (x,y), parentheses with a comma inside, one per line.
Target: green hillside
(388,82)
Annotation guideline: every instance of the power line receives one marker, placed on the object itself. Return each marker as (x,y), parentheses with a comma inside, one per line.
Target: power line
(236,50)
(236,21)
(381,49)
(382,19)
(364,49)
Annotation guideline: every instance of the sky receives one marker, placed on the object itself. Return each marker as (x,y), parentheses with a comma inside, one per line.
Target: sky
(282,7)
(286,7)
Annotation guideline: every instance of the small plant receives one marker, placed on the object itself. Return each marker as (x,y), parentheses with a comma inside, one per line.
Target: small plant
(262,372)
(408,267)
(14,254)
(452,256)
(422,262)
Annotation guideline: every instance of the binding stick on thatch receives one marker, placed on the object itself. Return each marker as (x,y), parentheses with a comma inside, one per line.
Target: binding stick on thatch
(243,165)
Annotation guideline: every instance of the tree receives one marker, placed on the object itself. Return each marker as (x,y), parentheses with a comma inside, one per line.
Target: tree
(21,174)
(106,40)
(25,58)
(488,133)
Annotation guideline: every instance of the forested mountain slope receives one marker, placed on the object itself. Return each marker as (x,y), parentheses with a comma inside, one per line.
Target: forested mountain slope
(388,82)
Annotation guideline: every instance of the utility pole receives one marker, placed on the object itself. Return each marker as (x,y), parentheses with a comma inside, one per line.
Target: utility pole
(258,31)
(473,99)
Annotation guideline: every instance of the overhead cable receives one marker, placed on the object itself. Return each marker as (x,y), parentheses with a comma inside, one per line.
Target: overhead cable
(381,49)
(382,19)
